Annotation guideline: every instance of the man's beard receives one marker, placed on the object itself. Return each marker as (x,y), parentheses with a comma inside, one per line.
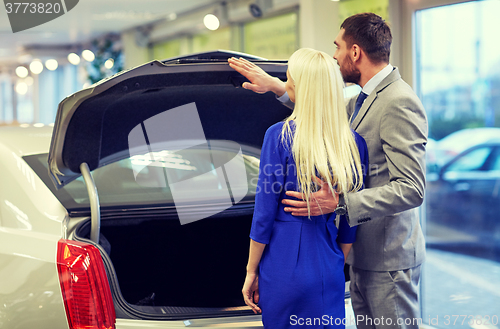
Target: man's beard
(349,72)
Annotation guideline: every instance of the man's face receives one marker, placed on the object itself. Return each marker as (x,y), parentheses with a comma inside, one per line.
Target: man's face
(343,57)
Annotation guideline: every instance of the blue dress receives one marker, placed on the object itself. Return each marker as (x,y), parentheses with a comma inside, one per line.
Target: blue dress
(301,277)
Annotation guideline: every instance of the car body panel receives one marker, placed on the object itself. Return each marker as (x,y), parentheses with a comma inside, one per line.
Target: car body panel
(30,290)
(43,214)
(29,230)
(250,322)
(463,202)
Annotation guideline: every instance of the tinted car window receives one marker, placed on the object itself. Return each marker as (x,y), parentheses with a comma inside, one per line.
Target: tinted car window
(471,161)
(138,180)
(496,160)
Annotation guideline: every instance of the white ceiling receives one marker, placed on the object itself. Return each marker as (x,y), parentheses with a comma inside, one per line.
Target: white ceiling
(88,20)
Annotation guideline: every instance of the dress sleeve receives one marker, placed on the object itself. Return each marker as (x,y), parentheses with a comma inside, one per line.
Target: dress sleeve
(269,186)
(346,233)
(363,155)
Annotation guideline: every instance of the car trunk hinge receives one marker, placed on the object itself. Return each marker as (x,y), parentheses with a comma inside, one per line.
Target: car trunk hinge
(95,211)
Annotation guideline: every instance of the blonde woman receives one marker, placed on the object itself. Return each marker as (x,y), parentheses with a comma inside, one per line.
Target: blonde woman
(295,266)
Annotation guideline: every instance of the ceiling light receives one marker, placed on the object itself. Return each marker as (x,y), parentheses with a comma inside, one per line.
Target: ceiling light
(21,88)
(51,64)
(172,16)
(29,81)
(36,67)
(74,59)
(22,72)
(109,63)
(38,125)
(88,55)
(211,22)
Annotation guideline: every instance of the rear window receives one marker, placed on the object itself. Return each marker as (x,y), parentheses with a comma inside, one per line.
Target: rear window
(192,176)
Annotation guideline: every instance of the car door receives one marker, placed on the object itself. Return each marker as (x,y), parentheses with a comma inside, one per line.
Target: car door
(469,187)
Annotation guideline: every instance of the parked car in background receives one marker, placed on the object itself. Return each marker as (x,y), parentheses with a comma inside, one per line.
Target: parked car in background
(110,252)
(445,149)
(463,202)
(430,156)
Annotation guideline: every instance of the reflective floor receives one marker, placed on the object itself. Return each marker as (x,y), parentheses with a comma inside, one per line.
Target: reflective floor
(460,291)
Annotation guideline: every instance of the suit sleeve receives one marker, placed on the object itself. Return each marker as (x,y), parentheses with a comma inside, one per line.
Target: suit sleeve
(346,233)
(285,100)
(269,186)
(403,135)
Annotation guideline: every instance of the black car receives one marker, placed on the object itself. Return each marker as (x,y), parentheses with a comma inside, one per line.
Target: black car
(463,203)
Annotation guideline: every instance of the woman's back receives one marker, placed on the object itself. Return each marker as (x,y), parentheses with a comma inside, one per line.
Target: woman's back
(301,271)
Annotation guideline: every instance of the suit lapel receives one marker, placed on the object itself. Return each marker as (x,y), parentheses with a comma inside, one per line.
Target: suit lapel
(393,76)
(364,108)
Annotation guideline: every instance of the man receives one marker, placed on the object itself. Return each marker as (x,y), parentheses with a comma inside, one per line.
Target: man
(386,257)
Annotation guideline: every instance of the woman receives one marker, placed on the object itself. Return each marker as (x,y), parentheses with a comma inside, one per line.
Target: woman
(295,265)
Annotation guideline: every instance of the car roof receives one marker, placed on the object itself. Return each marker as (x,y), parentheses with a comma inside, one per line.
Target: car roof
(465,138)
(26,139)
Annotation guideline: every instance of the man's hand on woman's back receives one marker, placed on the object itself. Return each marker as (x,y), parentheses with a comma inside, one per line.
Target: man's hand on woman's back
(320,202)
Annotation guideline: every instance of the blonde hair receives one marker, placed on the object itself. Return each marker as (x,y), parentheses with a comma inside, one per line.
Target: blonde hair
(322,142)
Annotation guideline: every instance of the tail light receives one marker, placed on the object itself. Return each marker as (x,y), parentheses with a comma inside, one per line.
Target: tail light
(85,287)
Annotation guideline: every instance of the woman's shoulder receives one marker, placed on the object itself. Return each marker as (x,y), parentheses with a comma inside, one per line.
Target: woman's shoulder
(275,128)
(274,132)
(274,135)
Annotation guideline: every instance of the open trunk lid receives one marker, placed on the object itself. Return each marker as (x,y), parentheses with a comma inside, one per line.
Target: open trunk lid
(93,126)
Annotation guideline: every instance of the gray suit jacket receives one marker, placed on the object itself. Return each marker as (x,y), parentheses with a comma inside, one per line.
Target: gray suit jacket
(393,122)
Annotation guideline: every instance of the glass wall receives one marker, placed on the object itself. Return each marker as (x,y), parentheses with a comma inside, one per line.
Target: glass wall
(220,39)
(272,38)
(53,87)
(349,8)
(167,49)
(6,108)
(458,81)
(25,109)
(35,99)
